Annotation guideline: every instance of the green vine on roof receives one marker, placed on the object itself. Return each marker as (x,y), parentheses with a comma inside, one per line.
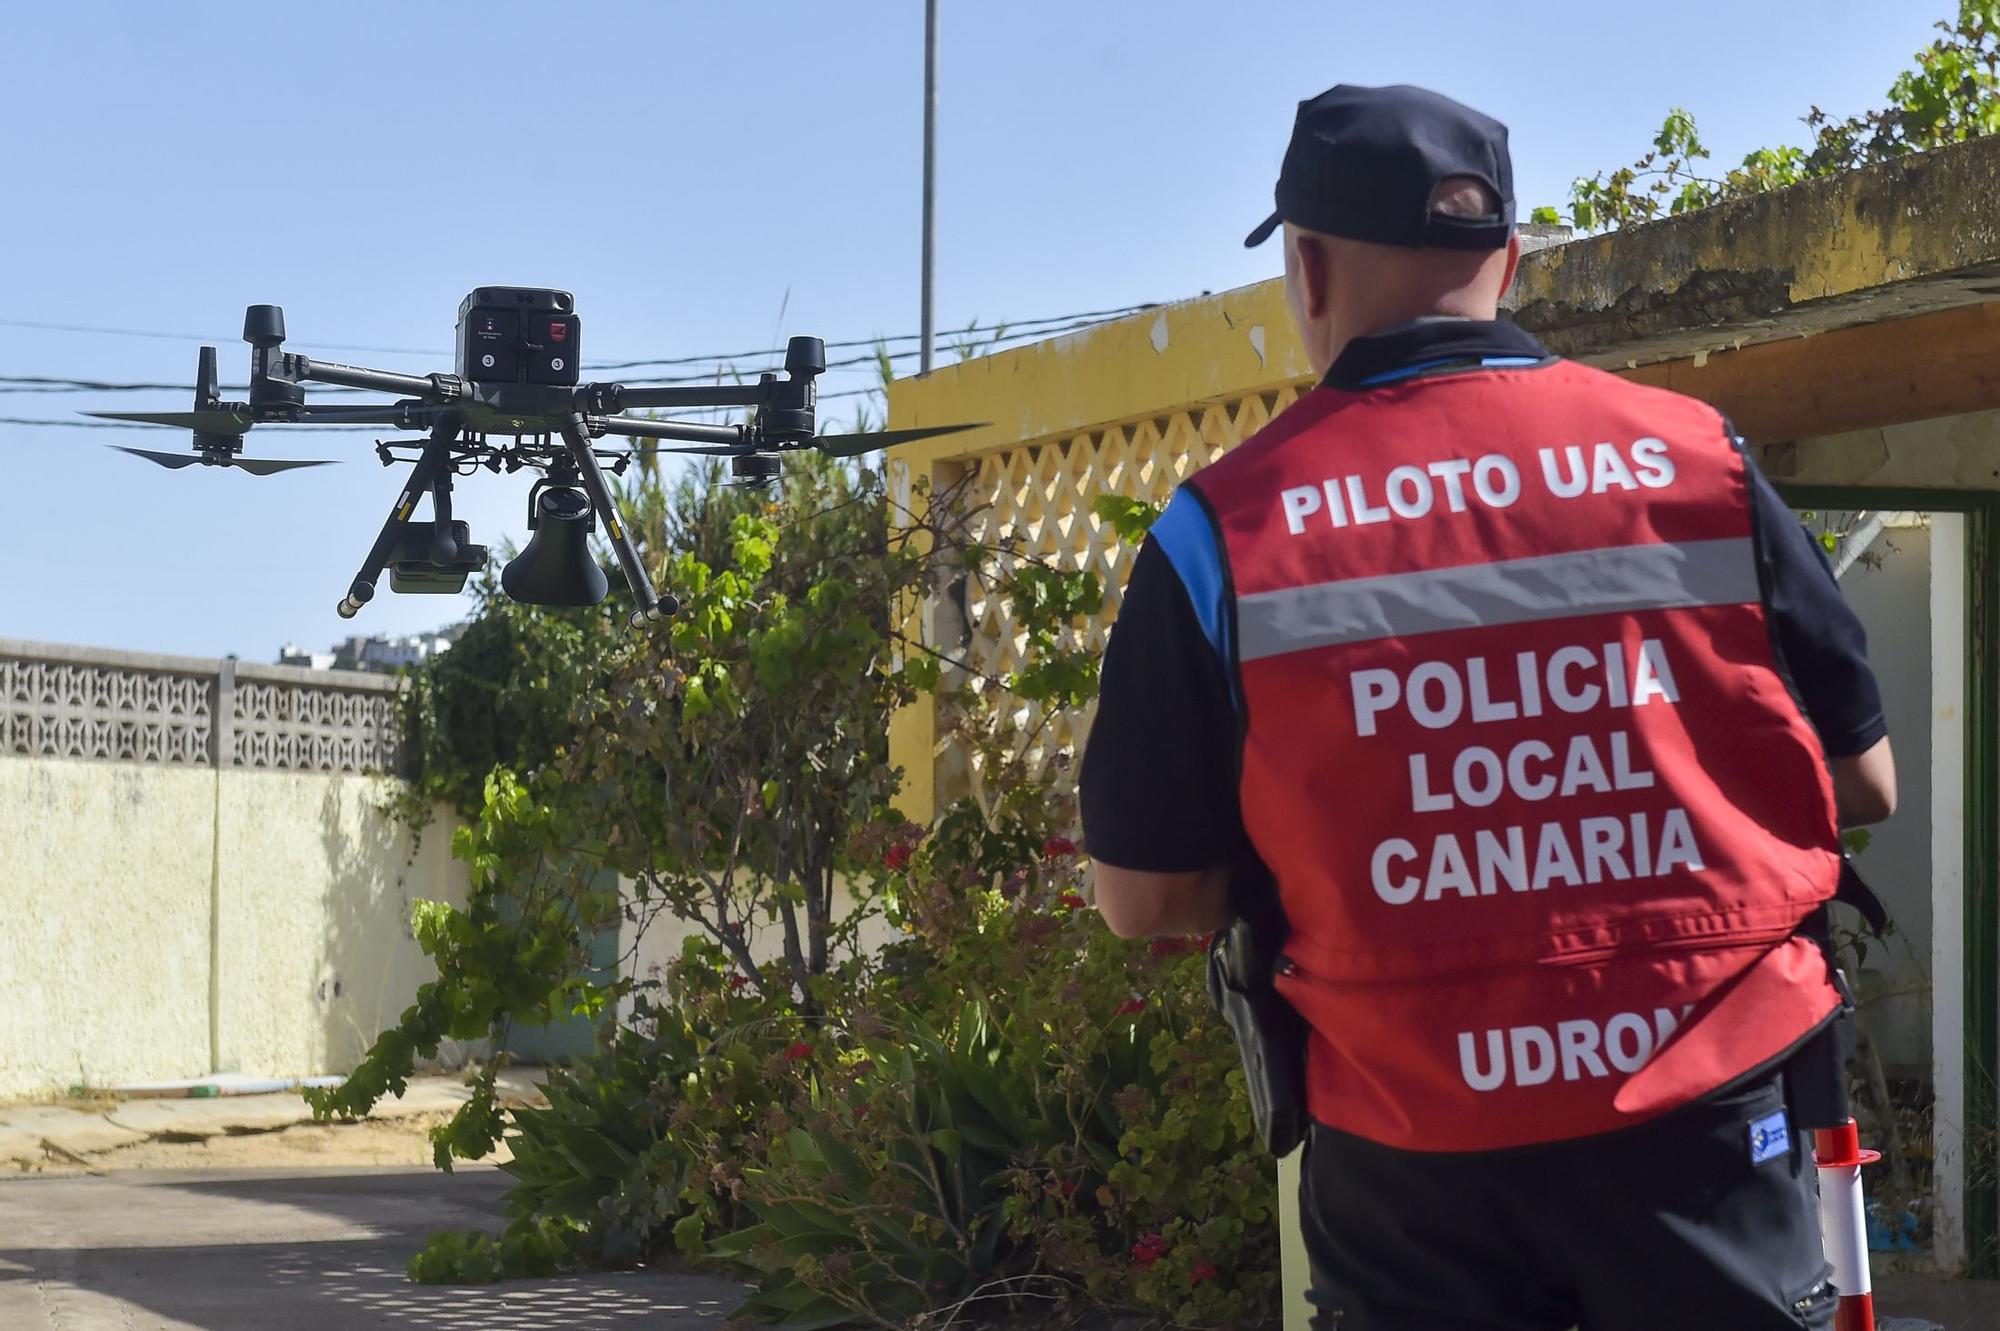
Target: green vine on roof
(1950,94)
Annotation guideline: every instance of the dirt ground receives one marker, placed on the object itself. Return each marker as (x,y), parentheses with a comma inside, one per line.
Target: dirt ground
(377,1142)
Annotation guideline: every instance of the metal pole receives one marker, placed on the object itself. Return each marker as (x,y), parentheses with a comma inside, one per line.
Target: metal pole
(930,179)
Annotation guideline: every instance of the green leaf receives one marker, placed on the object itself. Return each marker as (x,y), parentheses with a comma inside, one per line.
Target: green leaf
(1130,518)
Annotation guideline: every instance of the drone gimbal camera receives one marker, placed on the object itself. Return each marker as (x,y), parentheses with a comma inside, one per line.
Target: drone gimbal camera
(517,378)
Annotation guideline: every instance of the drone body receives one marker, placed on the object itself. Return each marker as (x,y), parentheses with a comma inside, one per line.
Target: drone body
(517,378)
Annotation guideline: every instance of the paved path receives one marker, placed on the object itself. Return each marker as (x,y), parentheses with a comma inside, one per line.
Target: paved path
(30,1133)
(301,1251)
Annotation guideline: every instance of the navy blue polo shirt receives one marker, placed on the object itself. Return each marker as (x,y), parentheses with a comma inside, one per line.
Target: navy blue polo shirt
(1159,780)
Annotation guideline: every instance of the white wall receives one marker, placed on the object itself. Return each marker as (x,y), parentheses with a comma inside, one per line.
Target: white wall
(1890,591)
(1947,609)
(105,876)
(649,945)
(164,922)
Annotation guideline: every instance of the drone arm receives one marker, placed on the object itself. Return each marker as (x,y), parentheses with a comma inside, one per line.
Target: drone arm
(576,434)
(691,432)
(430,387)
(617,397)
(402,415)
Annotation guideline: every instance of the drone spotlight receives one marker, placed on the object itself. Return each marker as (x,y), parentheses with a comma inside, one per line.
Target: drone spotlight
(557,568)
(517,379)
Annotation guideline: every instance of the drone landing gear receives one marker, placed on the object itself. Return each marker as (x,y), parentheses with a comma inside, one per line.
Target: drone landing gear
(434,462)
(437,556)
(652,605)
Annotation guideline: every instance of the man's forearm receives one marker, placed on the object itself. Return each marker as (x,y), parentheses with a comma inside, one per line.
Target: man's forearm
(1139,903)
(1864,786)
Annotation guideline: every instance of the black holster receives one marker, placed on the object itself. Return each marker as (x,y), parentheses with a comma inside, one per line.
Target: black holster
(1270,1034)
(1816,1073)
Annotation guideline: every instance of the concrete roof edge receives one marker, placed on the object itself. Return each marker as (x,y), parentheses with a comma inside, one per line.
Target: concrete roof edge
(1910,236)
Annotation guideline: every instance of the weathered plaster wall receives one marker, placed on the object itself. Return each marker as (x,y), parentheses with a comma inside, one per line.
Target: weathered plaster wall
(1916,234)
(314,891)
(167,922)
(1945,453)
(105,871)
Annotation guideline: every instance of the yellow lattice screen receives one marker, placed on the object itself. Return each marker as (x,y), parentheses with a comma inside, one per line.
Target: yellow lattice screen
(1040,495)
(1131,408)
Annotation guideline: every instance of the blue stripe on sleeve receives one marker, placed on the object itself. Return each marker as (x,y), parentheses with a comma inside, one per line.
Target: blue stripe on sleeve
(1187,540)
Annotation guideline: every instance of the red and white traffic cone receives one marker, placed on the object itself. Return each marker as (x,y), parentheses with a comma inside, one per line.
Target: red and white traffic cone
(1843,1222)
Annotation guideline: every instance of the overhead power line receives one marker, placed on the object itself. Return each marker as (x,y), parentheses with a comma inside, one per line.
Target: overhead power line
(61,424)
(702,359)
(46,326)
(1023,326)
(717,372)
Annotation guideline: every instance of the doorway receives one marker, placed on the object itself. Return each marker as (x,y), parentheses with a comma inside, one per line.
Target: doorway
(1917,566)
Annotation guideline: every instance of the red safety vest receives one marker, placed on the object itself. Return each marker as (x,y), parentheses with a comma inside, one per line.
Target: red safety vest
(1543,810)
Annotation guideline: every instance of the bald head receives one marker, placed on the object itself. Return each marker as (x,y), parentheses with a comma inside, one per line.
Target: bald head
(1341,289)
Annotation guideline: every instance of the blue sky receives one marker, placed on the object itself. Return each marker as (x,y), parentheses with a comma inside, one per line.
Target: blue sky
(706,178)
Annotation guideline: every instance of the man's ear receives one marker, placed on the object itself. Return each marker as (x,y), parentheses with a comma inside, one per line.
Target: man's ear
(1315,276)
(1513,262)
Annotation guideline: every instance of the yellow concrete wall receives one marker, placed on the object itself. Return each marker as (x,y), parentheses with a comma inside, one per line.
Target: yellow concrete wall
(1130,407)
(163,922)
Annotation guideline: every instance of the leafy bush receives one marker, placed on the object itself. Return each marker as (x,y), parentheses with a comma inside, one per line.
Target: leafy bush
(1007,1106)
(1949,94)
(978,1164)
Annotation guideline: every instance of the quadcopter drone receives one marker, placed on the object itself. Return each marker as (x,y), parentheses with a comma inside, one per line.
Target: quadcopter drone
(516,379)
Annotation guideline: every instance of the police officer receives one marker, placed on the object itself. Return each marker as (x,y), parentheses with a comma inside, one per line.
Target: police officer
(1542,713)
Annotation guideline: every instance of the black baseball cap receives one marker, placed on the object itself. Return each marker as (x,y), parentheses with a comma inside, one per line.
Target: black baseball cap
(1364,163)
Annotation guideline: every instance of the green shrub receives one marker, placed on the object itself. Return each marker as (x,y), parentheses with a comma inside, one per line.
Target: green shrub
(1004,1110)
(1017,1106)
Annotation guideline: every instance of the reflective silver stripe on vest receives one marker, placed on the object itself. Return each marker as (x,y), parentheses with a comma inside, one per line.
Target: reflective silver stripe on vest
(1511,591)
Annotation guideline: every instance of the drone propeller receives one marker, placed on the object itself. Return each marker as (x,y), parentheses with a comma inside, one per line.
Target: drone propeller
(213,421)
(255,466)
(272,466)
(173,460)
(854,445)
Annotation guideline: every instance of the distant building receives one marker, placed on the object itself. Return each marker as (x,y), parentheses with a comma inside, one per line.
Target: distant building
(291,654)
(373,653)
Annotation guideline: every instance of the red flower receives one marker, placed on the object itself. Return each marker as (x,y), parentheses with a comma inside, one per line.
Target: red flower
(737,981)
(1072,900)
(1056,847)
(1131,1005)
(1175,947)
(896,859)
(799,1050)
(1202,1271)
(1148,1250)
(1038,930)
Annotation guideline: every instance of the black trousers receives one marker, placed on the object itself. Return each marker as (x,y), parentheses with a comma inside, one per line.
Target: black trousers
(1670,1226)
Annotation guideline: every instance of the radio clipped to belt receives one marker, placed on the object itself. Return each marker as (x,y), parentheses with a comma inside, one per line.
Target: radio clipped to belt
(1270,1034)
(1816,1075)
